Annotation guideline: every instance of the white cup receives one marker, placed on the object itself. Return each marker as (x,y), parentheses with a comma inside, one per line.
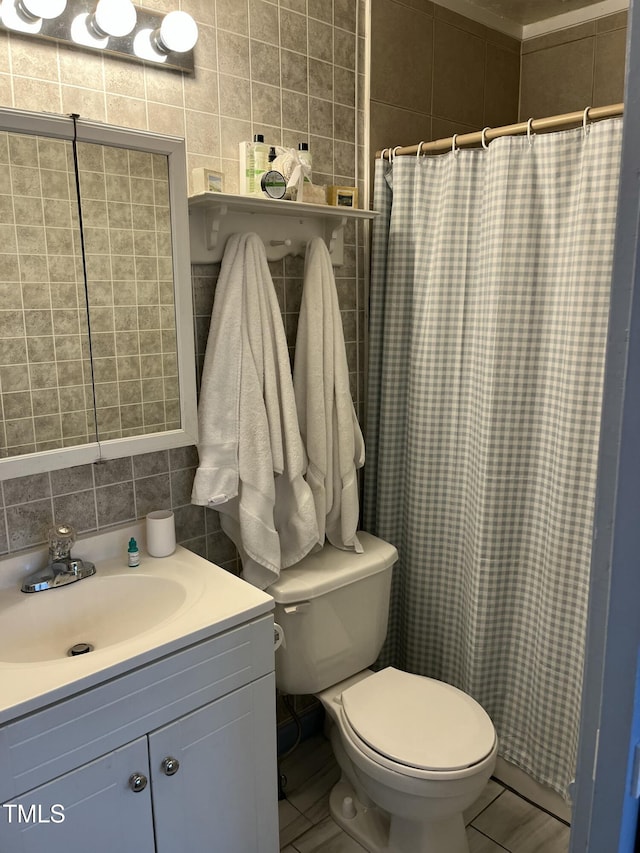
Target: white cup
(161,533)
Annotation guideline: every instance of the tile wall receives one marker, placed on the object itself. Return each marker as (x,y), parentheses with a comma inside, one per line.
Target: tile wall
(46,399)
(574,68)
(293,70)
(45,376)
(127,241)
(434,73)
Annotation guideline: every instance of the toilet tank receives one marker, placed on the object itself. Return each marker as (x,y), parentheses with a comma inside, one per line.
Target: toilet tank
(333,608)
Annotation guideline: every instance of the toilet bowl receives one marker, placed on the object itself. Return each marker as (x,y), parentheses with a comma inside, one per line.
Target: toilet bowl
(414,752)
(406,781)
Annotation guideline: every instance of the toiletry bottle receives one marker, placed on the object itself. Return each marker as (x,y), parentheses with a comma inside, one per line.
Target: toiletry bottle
(133,554)
(253,157)
(247,166)
(305,157)
(261,158)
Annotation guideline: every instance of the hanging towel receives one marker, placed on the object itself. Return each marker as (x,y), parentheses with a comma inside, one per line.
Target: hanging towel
(252,460)
(328,422)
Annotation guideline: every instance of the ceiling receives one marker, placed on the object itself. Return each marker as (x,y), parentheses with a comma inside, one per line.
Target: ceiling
(525,19)
(524,12)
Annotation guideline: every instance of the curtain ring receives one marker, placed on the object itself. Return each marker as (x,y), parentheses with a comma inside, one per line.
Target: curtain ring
(420,144)
(382,153)
(585,121)
(393,153)
(529,125)
(454,150)
(485,144)
(390,152)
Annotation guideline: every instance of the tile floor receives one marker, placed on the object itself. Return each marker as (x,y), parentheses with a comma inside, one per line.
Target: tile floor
(498,821)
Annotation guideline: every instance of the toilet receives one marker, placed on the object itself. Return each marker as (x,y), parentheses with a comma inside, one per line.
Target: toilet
(414,752)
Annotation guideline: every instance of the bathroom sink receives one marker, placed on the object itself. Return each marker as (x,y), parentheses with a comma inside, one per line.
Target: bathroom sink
(120,618)
(98,611)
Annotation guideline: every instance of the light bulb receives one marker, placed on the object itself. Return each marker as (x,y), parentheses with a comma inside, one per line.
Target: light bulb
(114,18)
(83,33)
(144,47)
(178,32)
(33,10)
(12,19)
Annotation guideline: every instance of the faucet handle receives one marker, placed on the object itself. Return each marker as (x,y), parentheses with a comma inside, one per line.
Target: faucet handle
(61,539)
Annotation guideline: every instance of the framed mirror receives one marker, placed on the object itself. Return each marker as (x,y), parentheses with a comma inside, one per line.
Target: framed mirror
(96,326)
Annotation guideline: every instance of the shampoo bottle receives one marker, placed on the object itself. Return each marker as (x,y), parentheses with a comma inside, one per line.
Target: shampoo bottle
(261,157)
(254,161)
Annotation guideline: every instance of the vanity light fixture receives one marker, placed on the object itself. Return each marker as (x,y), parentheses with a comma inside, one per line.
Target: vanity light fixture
(112,26)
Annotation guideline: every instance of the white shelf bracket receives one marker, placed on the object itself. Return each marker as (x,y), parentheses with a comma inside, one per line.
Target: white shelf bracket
(215,216)
(336,231)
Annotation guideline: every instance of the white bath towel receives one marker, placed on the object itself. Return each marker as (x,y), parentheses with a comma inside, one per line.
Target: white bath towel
(328,423)
(252,459)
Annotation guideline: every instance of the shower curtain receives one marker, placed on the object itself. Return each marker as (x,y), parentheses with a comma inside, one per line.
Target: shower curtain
(488,315)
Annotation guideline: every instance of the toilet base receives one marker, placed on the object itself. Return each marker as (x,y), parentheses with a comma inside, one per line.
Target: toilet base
(372,828)
(369,826)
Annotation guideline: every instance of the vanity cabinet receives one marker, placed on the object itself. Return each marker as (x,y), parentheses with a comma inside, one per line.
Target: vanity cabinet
(176,756)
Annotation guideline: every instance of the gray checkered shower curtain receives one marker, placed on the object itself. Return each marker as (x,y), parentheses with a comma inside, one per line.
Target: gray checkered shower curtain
(489,302)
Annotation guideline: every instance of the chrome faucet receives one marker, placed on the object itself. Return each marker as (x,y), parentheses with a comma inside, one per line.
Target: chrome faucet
(62,567)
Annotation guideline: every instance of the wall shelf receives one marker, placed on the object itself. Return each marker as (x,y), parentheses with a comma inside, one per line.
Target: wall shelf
(284,226)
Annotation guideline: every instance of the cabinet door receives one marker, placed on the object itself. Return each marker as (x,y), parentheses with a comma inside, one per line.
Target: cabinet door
(89,809)
(223,797)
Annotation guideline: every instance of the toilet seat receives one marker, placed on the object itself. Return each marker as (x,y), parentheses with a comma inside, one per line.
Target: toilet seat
(416,725)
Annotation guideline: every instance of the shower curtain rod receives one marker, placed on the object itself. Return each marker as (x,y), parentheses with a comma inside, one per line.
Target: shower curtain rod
(483,136)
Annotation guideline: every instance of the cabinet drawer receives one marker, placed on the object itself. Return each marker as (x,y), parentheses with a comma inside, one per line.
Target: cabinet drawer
(50,742)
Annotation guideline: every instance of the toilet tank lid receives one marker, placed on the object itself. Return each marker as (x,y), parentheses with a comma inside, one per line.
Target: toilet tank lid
(331,568)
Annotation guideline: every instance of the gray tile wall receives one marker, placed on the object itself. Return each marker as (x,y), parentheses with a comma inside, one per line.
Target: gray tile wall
(574,68)
(434,73)
(471,76)
(95,497)
(291,69)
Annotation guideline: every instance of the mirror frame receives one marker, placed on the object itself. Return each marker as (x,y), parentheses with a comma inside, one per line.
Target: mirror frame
(83,130)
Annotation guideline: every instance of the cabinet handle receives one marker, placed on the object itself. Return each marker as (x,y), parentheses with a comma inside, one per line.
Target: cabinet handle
(137,782)
(170,766)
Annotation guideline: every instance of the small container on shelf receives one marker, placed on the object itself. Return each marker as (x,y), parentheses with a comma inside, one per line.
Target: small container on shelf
(342,196)
(205,180)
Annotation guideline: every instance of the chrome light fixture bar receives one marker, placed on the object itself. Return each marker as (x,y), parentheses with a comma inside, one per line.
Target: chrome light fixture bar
(114,27)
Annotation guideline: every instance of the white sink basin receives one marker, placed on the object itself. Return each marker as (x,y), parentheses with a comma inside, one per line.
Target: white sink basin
(128,616)
(98,610)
